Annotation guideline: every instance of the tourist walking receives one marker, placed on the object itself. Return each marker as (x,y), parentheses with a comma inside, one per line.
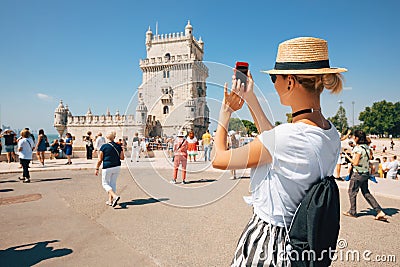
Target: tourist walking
(180,157)
(89,145)
(286,160)
(10,140)
(68,148)
(25,149)
(41,146)
(100,140)
(207,138)
(135,148)
(192,146)
(110,155)
(359,178)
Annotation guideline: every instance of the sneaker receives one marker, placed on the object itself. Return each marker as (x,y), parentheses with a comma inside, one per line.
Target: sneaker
(381,216)
(173,181)
(26,180)
(373,179)
(21,178)
(183,182)
(115,201)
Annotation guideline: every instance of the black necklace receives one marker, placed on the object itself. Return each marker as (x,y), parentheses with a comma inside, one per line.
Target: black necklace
(303,111)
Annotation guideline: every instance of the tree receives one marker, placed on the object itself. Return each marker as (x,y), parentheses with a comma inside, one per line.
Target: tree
(383,118)
(236,125)
(243,126)
(340,120)
(250,126)
(289,117)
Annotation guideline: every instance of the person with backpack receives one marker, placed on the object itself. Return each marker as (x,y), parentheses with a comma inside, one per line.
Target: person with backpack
(287,160)
(359,178)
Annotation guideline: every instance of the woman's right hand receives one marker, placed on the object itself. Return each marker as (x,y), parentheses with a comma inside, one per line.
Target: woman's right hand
(249,90)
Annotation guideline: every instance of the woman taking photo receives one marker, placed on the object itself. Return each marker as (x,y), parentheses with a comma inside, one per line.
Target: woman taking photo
(110,155)
(41,146)
(288,159)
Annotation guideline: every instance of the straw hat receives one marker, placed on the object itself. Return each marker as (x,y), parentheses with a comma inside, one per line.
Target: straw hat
(303,55)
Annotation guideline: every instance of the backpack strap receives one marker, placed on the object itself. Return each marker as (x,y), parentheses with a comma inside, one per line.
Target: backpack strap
(114,149)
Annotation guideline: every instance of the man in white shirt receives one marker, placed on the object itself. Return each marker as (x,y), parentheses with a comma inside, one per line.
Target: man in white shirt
(100,140)
(392,168)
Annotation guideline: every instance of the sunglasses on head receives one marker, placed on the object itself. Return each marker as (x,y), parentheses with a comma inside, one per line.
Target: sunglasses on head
(273,77)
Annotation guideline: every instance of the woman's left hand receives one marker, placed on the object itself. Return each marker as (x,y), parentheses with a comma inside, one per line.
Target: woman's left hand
(233,100)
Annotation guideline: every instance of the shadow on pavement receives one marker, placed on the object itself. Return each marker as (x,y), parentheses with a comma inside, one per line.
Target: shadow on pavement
(144,201)
(22,256)
(49,180)
(6,190)
(371,212)
(201,181)
(8,181)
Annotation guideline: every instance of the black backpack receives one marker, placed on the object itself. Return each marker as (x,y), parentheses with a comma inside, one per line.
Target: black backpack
(315,227)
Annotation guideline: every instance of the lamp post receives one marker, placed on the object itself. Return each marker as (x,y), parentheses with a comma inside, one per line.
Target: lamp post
(353,111)
(340,117)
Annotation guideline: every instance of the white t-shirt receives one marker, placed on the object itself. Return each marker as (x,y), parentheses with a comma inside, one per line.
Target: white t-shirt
(392,166)
(27,145)
(279,187)
(99,142)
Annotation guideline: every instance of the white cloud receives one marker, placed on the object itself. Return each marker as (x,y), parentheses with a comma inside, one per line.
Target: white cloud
(44,97)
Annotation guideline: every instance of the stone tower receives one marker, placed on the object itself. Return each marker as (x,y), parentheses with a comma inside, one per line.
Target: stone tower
(60,119)
(173,88)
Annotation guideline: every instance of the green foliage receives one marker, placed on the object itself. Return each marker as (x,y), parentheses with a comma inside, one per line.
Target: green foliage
(340,120)
(236,125)
(250,126)
(383,118)
(289,117)
(244,126)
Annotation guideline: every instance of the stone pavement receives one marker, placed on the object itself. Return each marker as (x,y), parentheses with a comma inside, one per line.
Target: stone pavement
(60,218)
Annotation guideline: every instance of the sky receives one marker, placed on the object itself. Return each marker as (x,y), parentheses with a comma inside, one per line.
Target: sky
(87,52)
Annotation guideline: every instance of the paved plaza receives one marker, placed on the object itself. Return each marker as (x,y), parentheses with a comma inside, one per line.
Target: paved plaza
(60,218)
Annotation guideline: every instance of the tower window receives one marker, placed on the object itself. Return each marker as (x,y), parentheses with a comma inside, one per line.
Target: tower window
(166,74)
(165,110)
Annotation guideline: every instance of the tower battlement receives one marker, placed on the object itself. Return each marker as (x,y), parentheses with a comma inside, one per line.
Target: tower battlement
(102,120)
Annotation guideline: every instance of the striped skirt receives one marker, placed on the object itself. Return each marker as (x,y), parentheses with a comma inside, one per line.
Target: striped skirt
(261,244)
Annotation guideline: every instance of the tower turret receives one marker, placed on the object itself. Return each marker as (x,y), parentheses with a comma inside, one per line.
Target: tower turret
(188,29)
(141,113)
(60,119)
(149,37)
